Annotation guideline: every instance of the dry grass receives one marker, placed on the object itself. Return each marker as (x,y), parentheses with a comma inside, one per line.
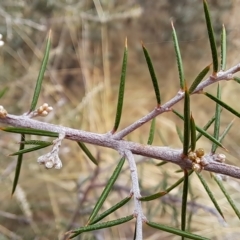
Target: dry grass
(82,84)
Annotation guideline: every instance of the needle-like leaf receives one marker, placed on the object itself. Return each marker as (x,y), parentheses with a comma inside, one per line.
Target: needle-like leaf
(225,192)
(211,38)
(199,78)
(176,231)
(186,135)
(101,225)
(224,105)
(151,132)
(28,150)
(153,75)
(179,58)
(184,202)
(217,120)
(41,74)
(87,152)
(18,167)
(121,90)
(223,48)
(106,191)
(111,210)
(210,194)
(30,131)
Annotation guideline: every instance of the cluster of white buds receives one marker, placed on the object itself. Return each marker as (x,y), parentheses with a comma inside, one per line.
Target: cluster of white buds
(42,111)
(198,159)
(52,159)
(3,112)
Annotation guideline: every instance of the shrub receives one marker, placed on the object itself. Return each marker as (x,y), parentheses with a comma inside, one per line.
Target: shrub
(190,158)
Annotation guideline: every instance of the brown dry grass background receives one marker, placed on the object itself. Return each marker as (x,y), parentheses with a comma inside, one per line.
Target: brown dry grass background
(81,84)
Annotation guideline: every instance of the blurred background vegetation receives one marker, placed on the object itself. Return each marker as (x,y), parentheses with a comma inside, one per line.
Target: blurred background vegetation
(81,84)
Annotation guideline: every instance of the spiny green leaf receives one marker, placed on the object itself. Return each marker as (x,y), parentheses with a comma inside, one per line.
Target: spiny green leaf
(224,105)
(160,194)
(101,225)
(153,75)
(186,136)
(27,150)
(121,90)
(175,231)
(87,152)
(106,191)
(225,192)
(210,194)
(217,120)
(111,210)
(211,38)
(152,132)
(29,131)
(193,133)
(41,74)
(179,58)
(3,91)
(184,202)
(199,78)
(200,130)
(223,48)
(18,167)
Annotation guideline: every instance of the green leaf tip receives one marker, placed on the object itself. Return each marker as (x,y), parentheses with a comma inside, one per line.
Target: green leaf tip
(153,75)
(121,89)
(211,38)
(41,74)
(178,57)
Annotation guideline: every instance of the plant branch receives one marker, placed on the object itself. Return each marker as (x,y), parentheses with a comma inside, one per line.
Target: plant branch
(136,194)
(107,140)
(222,75)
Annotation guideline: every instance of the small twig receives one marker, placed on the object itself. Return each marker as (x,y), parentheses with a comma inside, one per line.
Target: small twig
(136,194)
